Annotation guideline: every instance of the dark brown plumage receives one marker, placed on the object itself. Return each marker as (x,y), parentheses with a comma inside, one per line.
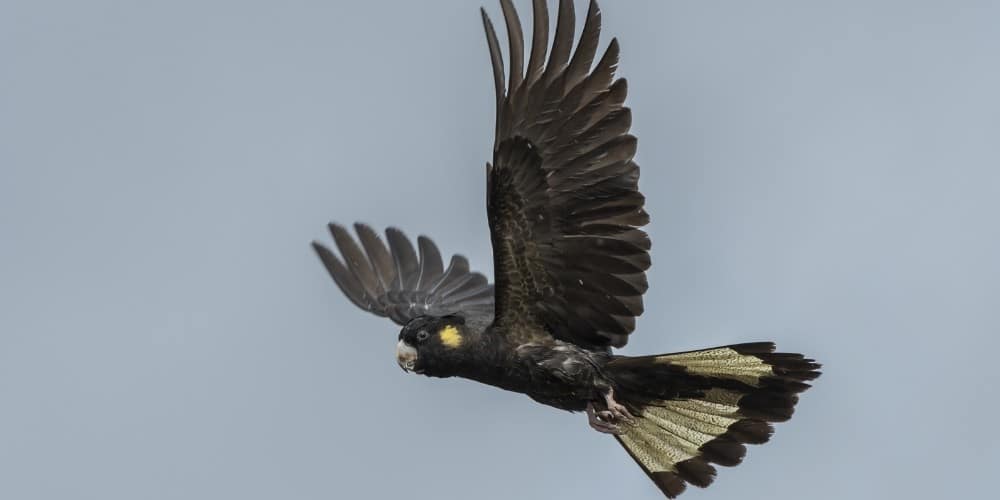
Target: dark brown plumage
(565,217)
(396,283)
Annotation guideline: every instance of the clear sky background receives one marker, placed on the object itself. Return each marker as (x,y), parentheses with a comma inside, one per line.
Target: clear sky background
(821,174)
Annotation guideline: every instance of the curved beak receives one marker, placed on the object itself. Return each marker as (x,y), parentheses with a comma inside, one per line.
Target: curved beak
(406,356)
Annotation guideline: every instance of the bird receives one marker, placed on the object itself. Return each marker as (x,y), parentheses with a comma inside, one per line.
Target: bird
(570,259)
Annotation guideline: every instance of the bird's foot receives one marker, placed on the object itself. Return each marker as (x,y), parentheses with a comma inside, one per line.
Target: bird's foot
(601,421)
(618,411)
(608,421)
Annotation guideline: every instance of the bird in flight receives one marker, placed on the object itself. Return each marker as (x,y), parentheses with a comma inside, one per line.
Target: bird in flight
(570,259)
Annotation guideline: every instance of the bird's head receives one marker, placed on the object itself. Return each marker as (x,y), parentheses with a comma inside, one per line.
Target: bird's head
(431,345)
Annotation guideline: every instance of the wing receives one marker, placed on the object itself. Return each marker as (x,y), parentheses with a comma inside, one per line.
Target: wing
(394,282)
(562,193)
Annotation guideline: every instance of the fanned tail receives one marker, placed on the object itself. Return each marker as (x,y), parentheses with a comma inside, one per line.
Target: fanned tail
(699,408)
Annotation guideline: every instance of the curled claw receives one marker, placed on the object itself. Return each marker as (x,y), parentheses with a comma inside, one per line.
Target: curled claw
(617,410)
(600,421)
(608,420)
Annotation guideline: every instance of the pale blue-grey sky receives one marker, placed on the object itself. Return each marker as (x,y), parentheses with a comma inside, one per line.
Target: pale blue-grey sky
(821,174)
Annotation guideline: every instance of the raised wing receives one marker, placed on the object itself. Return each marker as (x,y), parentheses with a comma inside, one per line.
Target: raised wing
(394,282)
(563,200)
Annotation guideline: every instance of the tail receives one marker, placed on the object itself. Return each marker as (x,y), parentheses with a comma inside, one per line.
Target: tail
(697,408)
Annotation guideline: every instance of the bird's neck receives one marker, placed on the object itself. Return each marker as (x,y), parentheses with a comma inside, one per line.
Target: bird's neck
(481,357)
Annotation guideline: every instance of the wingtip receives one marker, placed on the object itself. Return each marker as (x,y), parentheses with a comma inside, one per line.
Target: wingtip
(487,24)
(318,247)
(593,9)
(361,227)
(323,252)
(395,231)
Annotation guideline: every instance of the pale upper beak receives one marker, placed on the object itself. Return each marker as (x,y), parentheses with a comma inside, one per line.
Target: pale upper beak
(406,356)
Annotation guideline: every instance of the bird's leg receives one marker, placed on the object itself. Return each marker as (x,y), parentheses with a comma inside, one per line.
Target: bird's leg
(618,411)
(600,421)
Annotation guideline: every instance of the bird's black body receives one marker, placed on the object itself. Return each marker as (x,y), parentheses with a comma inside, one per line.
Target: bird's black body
(570,259)
(554,372)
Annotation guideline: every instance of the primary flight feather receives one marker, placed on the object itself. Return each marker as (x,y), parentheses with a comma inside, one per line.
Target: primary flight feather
(565,216)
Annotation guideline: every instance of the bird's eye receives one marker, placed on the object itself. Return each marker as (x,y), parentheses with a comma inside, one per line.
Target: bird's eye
(422,335)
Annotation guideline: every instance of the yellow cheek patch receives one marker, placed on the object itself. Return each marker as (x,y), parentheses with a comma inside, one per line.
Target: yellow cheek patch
(450,336)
